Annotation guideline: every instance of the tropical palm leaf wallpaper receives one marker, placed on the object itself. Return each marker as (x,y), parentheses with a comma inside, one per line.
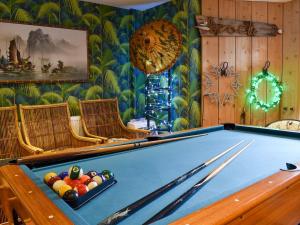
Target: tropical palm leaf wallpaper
(111,73)
(186,72)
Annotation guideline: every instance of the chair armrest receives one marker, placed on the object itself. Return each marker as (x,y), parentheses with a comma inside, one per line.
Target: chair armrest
(98,137)
(138,130)
(30,150)
(88,139)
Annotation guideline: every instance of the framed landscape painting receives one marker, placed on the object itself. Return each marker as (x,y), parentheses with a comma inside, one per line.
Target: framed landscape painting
(31,53)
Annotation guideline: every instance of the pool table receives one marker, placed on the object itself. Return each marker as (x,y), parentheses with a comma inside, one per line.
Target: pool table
(250,190)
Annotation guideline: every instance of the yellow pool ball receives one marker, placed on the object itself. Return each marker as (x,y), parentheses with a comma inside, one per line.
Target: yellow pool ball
(97,179)
(48,176)
(63,188)
(57,185)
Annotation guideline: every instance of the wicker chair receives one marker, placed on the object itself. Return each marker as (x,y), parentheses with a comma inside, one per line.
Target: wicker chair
(286,124)
(101,118)
(49,128)
(11,141)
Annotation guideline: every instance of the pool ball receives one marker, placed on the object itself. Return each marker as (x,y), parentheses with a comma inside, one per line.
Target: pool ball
(75,172)
(81,189)
(62,175)
(74,183)
(108,174)
(63,188)
(102,176)
(70,196)
(92,185)
(67,180)
(57,185)
(53,180)
(84,178)
(92,173)
(48,176)
(88,181)
(98,179)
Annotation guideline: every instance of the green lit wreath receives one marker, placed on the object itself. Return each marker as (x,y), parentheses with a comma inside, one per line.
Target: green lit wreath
(276,85)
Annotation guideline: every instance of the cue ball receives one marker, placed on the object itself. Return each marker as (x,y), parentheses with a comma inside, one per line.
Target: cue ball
(48,176)
(63,188)
(75,172)
(57,185)
(92,185)
(70,196)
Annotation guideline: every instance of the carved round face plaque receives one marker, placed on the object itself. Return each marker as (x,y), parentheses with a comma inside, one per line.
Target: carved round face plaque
(155,47)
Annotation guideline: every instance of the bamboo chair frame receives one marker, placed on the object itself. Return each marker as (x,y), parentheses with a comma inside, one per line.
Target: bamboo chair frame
(11,137)
(52,136)
(93,125)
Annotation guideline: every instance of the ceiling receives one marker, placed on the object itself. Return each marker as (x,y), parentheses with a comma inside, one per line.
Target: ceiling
(147,4)
(130,4)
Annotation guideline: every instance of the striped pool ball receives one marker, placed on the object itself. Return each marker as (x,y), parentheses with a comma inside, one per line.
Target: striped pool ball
(107,173)
(57,185)
(92,185)
(92,173)
(75,172)
(81,189)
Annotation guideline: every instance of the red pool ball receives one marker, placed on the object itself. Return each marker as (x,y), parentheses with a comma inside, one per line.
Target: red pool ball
(88,181)
(67,180)
(81,189)
(74,183)
(84,178)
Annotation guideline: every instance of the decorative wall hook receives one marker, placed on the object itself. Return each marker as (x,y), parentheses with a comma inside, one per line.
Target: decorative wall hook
(266,67)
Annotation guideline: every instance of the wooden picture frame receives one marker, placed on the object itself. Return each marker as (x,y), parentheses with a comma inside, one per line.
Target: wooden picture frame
(32,53)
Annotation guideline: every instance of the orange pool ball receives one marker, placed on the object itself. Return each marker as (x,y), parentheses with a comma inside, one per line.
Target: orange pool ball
(84,178)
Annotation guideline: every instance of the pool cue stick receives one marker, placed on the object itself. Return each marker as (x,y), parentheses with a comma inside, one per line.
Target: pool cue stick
(132,208)
(173,206)
(70,154)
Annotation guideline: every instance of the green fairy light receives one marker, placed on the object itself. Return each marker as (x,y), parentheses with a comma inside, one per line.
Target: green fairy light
(252,92)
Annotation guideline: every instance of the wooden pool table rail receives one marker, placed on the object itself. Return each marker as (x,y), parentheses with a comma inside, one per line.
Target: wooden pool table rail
(90,151)
(274,200)
(19,193)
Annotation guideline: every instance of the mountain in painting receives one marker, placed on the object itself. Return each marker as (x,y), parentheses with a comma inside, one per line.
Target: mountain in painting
(39,42)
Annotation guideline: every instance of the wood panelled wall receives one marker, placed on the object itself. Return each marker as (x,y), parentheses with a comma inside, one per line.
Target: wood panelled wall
(248,56)
(290,107)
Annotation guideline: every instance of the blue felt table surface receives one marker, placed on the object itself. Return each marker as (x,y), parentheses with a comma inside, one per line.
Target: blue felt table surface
(139,172)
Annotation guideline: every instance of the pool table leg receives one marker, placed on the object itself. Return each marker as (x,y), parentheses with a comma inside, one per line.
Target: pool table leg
(13,211)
